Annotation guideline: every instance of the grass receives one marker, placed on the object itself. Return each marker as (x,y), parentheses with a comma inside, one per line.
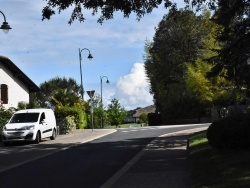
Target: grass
(123,126)
(217,168)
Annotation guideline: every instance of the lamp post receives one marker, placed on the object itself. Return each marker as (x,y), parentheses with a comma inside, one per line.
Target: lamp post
(101,77)
(5,27)
(80,58)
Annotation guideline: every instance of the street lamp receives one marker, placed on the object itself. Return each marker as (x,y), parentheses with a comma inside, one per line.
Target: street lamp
(101,77)
(80,58)
(5,27)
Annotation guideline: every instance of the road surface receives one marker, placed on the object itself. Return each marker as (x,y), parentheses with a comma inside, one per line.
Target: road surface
(81,165)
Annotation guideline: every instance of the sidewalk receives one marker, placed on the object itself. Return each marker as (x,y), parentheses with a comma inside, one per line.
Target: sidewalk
(163,163)
(82,136)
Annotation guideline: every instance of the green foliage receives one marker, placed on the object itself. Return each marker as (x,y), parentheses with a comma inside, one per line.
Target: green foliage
(233,16)
(67,124)
(230,132)
(177,70)
(5,115)
(79,115)
(143,118)
(58,92)
(34,101)
(207,91)
(105,8)
(179,38)
(116,113)
(22,105)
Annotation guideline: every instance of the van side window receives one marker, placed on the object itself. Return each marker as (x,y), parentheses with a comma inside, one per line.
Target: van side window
(42,117)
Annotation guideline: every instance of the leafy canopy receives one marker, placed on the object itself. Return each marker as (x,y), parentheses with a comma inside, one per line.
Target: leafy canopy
(107,8)
(58,92)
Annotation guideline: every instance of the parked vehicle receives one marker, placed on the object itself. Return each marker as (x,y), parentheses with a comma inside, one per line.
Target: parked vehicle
(30,125)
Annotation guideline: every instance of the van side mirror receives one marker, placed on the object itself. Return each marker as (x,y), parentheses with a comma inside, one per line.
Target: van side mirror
(43,121)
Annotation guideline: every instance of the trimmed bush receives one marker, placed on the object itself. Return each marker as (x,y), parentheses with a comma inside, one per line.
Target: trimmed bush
(232,132)
(66,125)
(79,115)
(5,115)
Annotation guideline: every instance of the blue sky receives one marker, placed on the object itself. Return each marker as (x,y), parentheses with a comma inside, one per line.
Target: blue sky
(47,49)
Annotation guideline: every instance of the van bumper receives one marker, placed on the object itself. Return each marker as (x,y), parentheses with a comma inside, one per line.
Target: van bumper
(8,136)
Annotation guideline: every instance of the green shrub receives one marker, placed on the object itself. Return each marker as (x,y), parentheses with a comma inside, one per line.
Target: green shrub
(232,132)
(5,115)
(77,113)
(66,125)
(139,121)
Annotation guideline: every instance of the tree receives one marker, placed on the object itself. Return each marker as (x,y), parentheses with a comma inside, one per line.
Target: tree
(179,38)
(59,92)
(207,91)
(115,112)
(95,102)
(233,15)
(143,118)
(107,8)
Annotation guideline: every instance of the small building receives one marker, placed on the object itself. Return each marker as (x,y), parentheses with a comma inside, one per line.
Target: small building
(15,86)
(146,110)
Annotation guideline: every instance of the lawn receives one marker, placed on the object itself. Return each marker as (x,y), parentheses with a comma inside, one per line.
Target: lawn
(217,168)
(127,125)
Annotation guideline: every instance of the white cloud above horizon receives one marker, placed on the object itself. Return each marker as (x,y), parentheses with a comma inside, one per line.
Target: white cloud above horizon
(132,90)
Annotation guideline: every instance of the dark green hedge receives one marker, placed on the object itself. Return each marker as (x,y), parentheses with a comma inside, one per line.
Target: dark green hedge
(78,113)
(232,132)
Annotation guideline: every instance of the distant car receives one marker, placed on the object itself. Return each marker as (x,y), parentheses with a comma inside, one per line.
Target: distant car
(30,125)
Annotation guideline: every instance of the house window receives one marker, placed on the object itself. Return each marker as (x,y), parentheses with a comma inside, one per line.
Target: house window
(4,94)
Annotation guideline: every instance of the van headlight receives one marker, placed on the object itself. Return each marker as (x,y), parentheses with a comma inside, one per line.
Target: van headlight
(4,128)
(30,127)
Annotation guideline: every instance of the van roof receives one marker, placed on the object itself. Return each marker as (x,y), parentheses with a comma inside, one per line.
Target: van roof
(38,110)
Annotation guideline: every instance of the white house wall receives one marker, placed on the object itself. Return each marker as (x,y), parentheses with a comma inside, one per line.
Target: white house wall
(17,91)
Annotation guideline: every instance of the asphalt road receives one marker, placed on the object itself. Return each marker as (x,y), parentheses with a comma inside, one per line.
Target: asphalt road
(83,165)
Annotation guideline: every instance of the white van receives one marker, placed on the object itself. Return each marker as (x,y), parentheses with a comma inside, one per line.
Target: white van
(30,125)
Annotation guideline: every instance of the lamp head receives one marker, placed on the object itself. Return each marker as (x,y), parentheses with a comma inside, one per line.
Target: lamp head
(107,81)
(90,56)
(5,27)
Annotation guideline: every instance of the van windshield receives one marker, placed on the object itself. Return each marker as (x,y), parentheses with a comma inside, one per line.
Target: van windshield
(25,118)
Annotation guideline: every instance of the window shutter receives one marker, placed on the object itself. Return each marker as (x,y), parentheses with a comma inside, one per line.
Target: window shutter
(4,93)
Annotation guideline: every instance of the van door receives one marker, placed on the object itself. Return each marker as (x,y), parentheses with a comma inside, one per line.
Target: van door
(50,124)
(43,125)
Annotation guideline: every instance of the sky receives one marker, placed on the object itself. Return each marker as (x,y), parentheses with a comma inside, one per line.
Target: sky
(47,49)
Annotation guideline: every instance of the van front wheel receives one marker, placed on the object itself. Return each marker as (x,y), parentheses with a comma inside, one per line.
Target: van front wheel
(53,137)
(38,138)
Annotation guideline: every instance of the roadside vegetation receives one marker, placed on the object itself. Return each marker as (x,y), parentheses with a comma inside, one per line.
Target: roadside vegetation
(216,164)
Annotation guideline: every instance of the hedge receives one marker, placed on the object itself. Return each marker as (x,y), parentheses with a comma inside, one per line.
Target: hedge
(78,113)
(232,132)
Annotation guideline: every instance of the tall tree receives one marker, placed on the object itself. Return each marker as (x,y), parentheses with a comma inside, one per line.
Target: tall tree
(233,16)
(59,91)
(178,39)
(116,113)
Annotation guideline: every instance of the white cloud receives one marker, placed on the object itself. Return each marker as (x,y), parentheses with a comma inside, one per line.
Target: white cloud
(132,90)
